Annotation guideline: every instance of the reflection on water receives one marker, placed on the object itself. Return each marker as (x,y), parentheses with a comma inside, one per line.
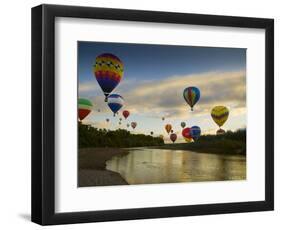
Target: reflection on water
(148,166)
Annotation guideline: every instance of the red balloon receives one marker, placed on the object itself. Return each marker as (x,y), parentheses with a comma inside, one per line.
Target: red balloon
(126,113)
(82,113)
(173,137)
(186,133)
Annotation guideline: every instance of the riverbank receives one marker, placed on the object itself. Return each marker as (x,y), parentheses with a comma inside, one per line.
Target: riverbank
(213,147)
(92,167)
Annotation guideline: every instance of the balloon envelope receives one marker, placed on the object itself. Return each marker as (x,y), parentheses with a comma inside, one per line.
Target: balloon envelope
(195,132)
(168,128)
(126,113)
(173,137)
(115,102)
(151,133)
(108,70)
(187,140)
(186,133)
(85,106)
(134,125)
(107,119)
(191,96)
(220,115)
(183,124)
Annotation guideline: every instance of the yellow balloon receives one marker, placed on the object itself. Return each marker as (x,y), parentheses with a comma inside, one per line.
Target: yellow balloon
(220,115)
(187,140)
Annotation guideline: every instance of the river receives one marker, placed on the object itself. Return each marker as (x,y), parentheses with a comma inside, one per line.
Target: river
(149,166)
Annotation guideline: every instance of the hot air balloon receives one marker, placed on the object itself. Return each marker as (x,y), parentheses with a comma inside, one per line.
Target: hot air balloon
(108,70)
(107,119)
(186,133)
(168,128)
(183,124)
(163,118)
(128,125)
(187,140)
(191,96)
(98,110)
(115,102)
(220,132)
(172,131)
(120,123)
(126,113)
(151,133)
(84,108)
(220,115)
(195,132)
(173,137)
(120,119)
(134,125)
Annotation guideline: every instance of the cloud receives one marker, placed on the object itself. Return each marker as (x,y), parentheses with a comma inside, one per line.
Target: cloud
(165,96)
(87,87)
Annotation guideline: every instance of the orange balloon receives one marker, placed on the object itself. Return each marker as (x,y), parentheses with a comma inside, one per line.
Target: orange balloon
(168,128)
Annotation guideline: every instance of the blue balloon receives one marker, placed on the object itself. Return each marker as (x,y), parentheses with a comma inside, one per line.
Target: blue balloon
(195,132)
(115,102)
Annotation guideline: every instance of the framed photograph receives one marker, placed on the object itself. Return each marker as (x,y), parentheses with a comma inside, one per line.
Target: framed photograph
(142,114)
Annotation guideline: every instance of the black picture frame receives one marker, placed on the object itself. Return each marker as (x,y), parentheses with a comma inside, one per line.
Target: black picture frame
(43,114)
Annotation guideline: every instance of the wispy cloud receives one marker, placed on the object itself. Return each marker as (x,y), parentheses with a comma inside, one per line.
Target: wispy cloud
(87,87)
(165,96)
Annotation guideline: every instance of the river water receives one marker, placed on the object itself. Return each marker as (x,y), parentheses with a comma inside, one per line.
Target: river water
(149,166)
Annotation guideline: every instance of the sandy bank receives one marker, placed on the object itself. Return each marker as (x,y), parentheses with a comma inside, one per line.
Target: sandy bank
(91,167)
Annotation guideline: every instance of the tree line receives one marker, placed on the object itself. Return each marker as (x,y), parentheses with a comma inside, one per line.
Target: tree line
(227,143)
(92,137)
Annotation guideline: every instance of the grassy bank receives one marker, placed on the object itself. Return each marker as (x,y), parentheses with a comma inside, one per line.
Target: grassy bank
(92,167)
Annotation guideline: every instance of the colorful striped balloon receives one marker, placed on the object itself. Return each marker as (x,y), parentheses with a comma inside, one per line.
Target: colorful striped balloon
(191,96)
(84,108)
(115,102)
(220,115)
(108,70)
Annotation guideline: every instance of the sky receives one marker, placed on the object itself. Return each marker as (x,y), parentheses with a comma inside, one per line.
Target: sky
(153,82)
